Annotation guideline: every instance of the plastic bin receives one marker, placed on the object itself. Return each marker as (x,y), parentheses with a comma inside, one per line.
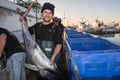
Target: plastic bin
(96,66)
(79,36)
(89,44)
(116,67)
(72,32)
(95,58)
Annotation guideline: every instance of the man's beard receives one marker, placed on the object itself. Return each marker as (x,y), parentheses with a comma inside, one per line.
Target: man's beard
(46,20)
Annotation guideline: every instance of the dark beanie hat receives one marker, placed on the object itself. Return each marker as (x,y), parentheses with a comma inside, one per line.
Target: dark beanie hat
(48,6)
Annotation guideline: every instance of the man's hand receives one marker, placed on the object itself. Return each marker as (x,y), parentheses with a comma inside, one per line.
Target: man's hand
(52,60)
(22,18)
(3,38)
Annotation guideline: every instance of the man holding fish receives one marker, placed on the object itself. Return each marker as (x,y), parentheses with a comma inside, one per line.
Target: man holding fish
(47,34)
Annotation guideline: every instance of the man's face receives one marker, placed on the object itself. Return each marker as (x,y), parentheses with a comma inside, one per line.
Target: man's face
(47,15)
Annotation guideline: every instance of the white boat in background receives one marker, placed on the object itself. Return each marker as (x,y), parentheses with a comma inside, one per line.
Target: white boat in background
(84,27)
(97,28)
(108,29)
(9,18)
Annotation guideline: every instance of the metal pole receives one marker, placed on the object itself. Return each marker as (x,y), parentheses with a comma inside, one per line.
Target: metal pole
(36,12)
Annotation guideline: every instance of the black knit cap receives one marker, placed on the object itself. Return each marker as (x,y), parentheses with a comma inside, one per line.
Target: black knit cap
(48,6)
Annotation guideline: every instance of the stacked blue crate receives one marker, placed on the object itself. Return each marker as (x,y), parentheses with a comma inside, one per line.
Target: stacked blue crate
(90,44)
(79,35)
(74,34)
(95,58)
(95,66)
(116,73)
(70,34)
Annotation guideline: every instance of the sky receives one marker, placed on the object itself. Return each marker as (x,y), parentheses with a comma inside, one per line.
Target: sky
(89,10)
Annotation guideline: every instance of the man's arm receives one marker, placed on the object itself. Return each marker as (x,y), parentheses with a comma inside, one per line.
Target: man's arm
(30,29)
(3,39)
(55,53)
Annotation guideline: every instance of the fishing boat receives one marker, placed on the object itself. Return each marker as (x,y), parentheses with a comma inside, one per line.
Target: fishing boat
(9,17)
(97,28)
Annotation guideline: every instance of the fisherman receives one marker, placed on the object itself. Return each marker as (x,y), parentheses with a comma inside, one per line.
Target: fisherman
(47,34)
(15,54)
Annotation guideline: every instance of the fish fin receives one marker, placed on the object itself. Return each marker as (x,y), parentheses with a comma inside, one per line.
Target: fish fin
(55,72)
(30,66)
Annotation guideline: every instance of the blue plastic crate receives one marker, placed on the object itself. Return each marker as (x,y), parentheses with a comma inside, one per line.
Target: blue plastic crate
(72,32)
(95,58)
(96,66)
(79,36)
(117,65)
(89,44)
(75,75)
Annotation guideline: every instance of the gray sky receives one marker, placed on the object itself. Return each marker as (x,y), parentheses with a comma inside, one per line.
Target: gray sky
(104,10)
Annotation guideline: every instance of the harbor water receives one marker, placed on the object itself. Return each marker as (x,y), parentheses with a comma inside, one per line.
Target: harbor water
(111,35)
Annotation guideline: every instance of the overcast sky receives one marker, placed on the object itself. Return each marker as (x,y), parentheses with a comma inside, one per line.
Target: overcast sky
(104,10)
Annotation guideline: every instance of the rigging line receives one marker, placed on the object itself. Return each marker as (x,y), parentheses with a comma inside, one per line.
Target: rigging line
(24,15)
(36,21)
